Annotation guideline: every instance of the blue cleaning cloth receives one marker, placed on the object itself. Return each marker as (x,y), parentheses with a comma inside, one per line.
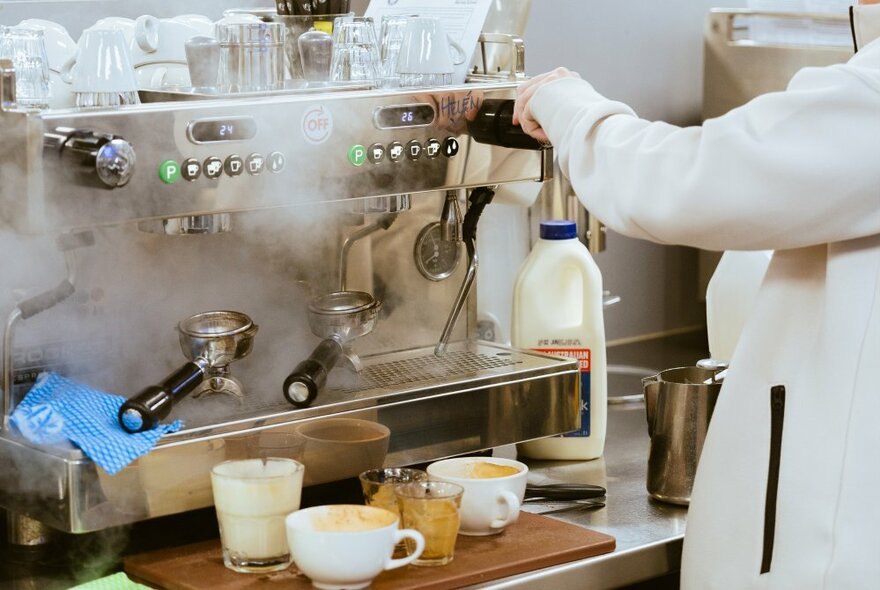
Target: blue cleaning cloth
(57,410)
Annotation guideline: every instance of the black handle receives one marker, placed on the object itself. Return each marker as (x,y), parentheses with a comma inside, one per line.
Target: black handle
(302,386)
(145,410)
(494,125)
(480,197)
(565,491)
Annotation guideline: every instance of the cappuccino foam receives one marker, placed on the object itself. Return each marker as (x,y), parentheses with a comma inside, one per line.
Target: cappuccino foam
(349,519)
(487,470)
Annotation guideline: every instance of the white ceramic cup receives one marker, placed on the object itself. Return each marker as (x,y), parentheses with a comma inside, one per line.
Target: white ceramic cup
(346,545)
(427,49)
(162,41)
(493,491)
(162,75)
(101,64)
(116,23)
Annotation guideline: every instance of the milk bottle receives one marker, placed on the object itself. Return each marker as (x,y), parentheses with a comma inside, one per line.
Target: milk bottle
(557,309)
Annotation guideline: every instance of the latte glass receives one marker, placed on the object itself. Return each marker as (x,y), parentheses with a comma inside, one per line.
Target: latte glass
(252,498)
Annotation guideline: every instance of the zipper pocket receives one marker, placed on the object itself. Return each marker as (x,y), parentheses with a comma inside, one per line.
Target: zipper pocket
(777,415)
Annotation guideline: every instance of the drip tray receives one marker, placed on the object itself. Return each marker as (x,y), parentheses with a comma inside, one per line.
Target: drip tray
(404,407)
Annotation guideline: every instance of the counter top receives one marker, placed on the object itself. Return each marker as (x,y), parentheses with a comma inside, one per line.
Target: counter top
(649,533)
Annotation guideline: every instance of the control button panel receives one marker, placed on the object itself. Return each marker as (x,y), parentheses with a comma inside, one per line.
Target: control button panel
(414,150)
(213,167)
(191,169)
(396,152)
(169,171)
(233,166)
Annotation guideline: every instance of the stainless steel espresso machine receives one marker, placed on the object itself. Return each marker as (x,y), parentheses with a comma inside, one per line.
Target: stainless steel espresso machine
(326,232)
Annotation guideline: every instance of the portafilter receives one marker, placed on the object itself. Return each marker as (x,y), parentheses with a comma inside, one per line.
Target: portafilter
(211,341)
(338,318)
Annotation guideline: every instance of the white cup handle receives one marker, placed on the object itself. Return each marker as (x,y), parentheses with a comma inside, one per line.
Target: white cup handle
(511,501)
(458,55)
(399,536)
(157,80)
(67,69)
(146,33)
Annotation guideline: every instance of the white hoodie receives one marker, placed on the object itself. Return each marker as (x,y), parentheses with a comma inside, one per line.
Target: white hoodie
(788,489)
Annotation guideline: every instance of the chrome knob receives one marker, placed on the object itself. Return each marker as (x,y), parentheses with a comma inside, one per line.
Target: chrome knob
(115,162)
(92,158)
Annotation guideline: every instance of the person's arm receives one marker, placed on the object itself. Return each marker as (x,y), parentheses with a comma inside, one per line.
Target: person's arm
(788,169)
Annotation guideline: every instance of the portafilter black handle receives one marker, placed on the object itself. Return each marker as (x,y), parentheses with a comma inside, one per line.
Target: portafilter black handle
(302,386)
(145,410)
(494,125)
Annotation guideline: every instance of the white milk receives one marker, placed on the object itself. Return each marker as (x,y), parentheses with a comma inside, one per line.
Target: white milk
(557,309)
(252,500)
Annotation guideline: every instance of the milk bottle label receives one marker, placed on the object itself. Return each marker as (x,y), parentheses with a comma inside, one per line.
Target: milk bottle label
(582,356)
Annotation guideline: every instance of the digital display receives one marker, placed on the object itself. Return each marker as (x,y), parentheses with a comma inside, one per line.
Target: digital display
(230,129)
(411,115)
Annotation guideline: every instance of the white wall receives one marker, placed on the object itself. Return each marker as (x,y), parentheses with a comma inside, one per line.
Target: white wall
(649,55)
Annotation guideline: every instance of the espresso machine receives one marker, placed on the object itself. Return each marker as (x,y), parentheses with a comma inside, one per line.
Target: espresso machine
(154,239)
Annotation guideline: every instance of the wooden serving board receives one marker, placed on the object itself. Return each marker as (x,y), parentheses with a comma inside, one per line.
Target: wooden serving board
(534,542)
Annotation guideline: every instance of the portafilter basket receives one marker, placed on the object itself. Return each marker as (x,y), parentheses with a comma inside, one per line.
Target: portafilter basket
(210,340)
(219,337)
(338,318)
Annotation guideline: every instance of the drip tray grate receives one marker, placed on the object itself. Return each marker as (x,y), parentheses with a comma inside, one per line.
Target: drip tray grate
(453,364)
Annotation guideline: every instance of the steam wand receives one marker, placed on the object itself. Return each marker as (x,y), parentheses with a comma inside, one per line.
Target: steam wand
(37,304)
(384,222)
(480,197)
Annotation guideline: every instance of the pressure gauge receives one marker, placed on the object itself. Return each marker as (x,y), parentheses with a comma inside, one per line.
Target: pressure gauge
(435,257)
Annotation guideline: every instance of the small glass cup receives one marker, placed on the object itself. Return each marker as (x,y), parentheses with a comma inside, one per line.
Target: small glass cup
(355,50)
(27,49)
(390,40)
(378,485)
(252,498)
(432,508)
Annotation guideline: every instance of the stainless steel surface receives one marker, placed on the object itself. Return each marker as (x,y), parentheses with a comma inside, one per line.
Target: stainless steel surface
(383,222)
(507,395)
(736,68)
(193,225)
(451,219)
(502,57)
(648,533)
(315,128)
(679,404)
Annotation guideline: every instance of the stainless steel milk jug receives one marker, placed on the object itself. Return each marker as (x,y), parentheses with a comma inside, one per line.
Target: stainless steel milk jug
(679,403)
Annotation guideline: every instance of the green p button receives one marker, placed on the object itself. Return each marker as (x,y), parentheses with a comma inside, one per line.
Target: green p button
(169,171)
(357,155)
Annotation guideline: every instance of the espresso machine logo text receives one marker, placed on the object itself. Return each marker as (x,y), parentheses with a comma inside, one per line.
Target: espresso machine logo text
(317,124)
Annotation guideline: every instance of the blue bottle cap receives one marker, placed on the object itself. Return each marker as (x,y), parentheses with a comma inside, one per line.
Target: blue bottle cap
(558,230)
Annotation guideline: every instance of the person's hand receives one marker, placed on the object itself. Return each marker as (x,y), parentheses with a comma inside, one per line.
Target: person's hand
(522,112)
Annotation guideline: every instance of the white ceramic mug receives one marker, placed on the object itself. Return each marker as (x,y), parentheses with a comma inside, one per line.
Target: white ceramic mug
(162,41)
(427,49)
(494,489)
(347,545)
(101,64)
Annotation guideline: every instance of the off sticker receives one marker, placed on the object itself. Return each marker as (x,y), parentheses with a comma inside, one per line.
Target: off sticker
(583,356)
(317,124)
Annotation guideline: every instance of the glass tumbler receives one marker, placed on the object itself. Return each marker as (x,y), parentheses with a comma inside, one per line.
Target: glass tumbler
(355,50)
(378,485)
(27,50)
(390,40)
(252,498)
(251,56)
(433,509)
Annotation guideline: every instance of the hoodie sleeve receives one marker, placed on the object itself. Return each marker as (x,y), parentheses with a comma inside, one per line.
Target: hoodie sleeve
(786,170)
